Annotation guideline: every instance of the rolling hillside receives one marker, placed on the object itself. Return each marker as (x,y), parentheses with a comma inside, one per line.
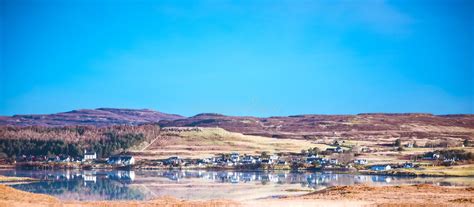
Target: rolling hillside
(93,117)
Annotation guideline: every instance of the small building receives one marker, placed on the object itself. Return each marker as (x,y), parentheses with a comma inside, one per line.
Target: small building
(65,159)
(128,160)
(248,160)
(173,160)
(266,161)
(333,161)
(234,157)
(431,156)
(338,149)
(408,165)
(323,161)
(450,161)
(380,167)
(281,162)
(53,159)
(361,162)
(89,155)
(273,158)
(312,159)
(123,160)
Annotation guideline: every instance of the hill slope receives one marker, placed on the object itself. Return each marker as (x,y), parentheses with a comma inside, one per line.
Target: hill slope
(311,127)
(205,142)
(96,117)
(361,126)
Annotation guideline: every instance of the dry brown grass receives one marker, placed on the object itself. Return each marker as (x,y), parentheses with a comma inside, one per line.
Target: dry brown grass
(406,195)
(210,141)
(16,198)
(360,195)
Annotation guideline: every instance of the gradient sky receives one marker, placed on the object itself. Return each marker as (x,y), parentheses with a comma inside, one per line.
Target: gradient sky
(258,58)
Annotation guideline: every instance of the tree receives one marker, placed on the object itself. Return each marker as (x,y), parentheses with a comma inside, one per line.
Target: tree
(314,151)
(397,143)
(465,142)
(345,157)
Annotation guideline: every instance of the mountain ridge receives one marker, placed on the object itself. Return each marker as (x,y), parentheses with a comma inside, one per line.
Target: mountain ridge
(96,117)
(308,126)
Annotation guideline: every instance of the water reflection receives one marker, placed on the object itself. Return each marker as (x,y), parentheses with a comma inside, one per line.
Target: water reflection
(193,184)
(314,179)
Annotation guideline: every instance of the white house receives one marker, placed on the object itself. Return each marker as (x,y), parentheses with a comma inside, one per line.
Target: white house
(89,155)
(123,160)
(361,161)
(234,157)
(380,167)
(128,160)
(339,149)
(249,160)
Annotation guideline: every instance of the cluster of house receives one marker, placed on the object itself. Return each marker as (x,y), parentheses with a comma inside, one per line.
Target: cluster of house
(233,159)
(436,156)
(121,160)
(89,156)
(118,160)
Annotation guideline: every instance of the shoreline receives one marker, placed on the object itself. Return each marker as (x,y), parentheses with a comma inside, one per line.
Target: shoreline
(393,173)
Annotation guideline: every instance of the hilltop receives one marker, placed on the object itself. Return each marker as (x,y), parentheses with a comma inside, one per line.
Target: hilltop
(361,126)
(367,126)
(94,117)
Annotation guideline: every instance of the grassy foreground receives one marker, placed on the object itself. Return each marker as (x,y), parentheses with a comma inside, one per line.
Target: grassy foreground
(16,198)
(358,195)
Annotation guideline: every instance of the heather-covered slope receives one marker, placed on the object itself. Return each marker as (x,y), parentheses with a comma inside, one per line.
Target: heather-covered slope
(361,126)
(96,117)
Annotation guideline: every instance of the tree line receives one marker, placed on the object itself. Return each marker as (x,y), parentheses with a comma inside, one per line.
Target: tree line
(112,143)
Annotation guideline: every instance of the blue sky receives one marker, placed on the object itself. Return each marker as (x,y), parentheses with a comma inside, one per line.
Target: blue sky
(259,58)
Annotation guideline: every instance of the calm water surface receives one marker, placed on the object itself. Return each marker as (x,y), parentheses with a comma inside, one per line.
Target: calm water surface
(198,184)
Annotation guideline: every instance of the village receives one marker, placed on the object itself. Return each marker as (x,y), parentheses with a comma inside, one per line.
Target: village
(338,157)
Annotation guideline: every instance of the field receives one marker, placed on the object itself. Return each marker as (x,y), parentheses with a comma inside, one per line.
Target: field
(461,170)
(206,142)
(202,142)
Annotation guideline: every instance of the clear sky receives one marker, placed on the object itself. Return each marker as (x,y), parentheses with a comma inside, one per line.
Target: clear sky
(260,58)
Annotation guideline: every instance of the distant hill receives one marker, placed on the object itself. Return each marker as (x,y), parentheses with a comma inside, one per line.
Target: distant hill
(95,117)
(362,126)
(367,126)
